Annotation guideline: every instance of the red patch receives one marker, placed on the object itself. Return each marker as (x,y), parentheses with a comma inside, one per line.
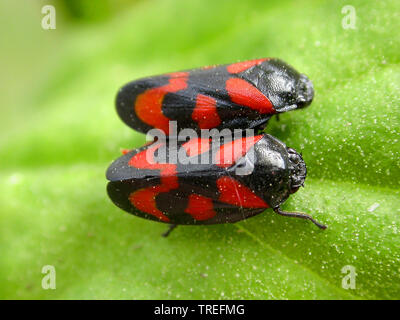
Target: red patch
(232,151)
(196,146)
(145,160)
(245,94)
(145,199)
(232,192)
(200,208)
(205,112)
(148,105)
(243,66)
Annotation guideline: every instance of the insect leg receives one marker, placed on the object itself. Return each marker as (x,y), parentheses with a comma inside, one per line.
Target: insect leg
(260,126)
(299,215)
(170,228)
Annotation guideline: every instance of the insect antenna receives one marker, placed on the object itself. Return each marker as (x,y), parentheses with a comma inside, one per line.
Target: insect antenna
(299,215)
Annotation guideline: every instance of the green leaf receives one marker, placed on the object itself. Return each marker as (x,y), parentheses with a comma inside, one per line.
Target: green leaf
(59,132)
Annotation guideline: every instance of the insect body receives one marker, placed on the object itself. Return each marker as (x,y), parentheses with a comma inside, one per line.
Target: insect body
(208,184)
(234,96)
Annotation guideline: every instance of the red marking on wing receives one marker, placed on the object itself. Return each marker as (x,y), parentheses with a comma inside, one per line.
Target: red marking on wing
(242,66)
(245,94)
(145,199)
(196,146)
(233,192)
(205,112)
(200,208)
(148,105)
(232,151)
(145,160)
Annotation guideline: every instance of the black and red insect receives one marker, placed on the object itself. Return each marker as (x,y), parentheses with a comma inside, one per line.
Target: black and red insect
(235,96)
(239,179)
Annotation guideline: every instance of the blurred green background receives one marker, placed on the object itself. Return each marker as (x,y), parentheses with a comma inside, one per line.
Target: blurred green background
(59,131)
